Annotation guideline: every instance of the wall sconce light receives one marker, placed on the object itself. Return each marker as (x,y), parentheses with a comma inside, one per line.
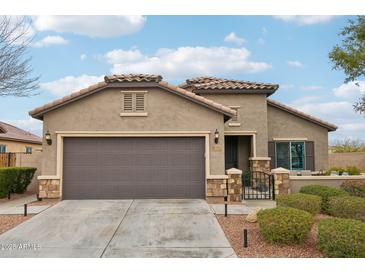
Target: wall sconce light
(216,136)
(48,138)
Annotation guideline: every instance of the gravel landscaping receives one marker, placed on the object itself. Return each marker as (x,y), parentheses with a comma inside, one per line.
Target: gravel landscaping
(7,222)
(233,226)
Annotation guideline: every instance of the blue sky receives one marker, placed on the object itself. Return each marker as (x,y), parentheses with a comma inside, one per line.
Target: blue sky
(71,52)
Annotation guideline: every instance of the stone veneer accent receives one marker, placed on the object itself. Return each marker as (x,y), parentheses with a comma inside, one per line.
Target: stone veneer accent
(260,164)
(234,184)
(217,187)
(282,180)
(49,188)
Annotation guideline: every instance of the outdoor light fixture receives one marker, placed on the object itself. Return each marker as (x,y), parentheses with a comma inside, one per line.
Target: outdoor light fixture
(48,138)
(216,136)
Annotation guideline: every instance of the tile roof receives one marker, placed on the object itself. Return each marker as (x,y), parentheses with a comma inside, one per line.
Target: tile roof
(220,85)
(329,126)
(123,78)
(119,78)
(10,132)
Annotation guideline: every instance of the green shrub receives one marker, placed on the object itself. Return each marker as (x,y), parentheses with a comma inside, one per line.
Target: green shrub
(325,192)
(341,238)
(306,202)
(354,188)
(347,207)
(15,179)
(284,224)
(351,170)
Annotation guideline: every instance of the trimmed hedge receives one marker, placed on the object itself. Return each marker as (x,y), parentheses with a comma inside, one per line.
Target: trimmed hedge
(341,238)
(347,207)
(354,188)
(306,202)
(284,224)
(15,179)
(325,192)
(351,170)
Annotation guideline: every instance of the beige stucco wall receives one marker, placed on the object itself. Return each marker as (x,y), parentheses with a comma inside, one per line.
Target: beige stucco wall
(166,112)
(282,124)
(13,146)
(347,159)
(252,116)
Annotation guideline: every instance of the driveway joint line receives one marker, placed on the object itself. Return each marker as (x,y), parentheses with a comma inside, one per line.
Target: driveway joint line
(111,238)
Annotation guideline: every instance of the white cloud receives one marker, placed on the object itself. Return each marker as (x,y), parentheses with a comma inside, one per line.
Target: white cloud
(232,37)
(32,125)
(310,88)
(49,41)
(306,19)
(350,90)
(93,26)
(264,30)
(120,56)
(83,57)
(295,63)
(185,62)
(69,84)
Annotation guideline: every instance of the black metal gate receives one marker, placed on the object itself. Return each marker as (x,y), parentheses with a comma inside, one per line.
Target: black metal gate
(258,185)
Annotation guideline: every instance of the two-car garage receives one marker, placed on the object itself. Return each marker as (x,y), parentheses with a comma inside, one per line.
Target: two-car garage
(133,167)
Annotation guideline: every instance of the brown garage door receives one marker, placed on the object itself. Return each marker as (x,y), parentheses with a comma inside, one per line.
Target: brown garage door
(133,168)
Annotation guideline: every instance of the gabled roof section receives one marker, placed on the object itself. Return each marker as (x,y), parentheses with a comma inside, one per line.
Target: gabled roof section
(10,132)
(136,80)
(219,85)
(310,118)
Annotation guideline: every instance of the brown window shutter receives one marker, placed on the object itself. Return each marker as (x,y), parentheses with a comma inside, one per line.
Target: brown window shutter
(309,155)
(272,154)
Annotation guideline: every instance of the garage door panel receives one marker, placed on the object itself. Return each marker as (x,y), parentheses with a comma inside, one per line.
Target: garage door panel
(127,168)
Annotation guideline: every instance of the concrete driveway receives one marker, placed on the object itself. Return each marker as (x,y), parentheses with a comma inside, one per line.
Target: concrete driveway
(119,228)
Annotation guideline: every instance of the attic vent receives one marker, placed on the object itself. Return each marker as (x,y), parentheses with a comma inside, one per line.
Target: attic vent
(134,103)
(127,102)
(140,101)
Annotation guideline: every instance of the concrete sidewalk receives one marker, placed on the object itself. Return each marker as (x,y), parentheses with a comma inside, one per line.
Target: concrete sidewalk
(17,206)
(245,208)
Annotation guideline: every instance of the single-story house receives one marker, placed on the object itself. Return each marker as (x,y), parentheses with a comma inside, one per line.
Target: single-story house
(15,140)
(136,136)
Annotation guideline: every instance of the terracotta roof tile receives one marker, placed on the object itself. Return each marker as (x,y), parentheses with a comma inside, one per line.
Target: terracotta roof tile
(36,113)
(220,85)
(10,132)
(132,78)
(301,114)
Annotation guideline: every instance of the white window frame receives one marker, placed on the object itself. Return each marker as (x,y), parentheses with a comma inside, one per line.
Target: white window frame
(31,150)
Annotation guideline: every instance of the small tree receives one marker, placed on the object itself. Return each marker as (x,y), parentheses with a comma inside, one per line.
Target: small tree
(348,145)
(350,55)
(15,68)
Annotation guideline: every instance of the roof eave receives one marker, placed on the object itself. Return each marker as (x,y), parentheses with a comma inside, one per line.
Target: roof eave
(21,140)
(304,116)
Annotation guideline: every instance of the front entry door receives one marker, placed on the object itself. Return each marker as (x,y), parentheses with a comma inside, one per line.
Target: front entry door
(231,151)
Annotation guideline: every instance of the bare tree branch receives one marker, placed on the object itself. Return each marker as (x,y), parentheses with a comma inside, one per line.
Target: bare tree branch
(15,65)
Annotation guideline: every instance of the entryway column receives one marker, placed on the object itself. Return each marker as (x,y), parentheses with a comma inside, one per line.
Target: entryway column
(234,184)
(282,180)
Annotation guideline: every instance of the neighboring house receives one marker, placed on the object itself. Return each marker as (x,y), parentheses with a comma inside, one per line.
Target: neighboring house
(15,140)
(135,136)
